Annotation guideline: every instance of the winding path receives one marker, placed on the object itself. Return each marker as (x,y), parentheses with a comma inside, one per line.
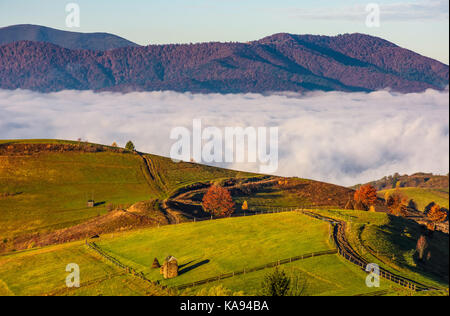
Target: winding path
(346,251)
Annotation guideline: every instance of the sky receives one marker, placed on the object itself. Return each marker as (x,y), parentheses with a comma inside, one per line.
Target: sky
(337,137)
(419,25)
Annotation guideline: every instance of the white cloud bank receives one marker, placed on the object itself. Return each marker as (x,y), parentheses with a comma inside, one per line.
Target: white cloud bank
(343,138)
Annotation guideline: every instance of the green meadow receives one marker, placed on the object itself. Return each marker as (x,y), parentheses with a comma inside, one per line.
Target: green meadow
(210,248)
(203,249)
(327,275)
(44,191)
(47,191)
(52,191)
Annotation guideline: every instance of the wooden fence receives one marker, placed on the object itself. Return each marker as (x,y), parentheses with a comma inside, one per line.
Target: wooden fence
(404,282)
(259,268)
(270,210)
(93,246)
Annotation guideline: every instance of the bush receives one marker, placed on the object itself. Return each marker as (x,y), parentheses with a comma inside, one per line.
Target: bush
(276,283)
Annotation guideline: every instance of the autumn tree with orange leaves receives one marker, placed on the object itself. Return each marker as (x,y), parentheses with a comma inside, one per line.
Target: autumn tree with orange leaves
(397,203)
(422,245)
(437,214)
(366,196)
(218,202)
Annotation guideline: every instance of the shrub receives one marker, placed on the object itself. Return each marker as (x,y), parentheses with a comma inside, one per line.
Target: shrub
(244,206)
(276,283)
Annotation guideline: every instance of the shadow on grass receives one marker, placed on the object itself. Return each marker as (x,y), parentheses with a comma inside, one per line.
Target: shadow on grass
(192,267)
(403,235)
(186,264)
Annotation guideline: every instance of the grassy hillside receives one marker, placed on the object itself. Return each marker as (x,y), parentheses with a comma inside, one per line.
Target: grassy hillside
(203,249)
(43,272)
(206,249)
(423,196)
(417,180)
(45,184)
(44,187)
(215,247)
(321,276)
(391,242)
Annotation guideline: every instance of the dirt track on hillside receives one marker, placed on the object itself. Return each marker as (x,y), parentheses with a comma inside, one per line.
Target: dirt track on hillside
(175,207)
(346,250)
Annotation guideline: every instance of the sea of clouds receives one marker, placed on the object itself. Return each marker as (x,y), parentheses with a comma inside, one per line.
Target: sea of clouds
(342,138)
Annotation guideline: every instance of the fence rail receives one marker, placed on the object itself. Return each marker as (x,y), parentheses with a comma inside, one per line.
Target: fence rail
(338,234)
(93,246)
(270,210)
(259,268)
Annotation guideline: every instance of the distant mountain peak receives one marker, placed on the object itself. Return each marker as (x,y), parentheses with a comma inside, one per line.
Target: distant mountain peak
(277,63)
(65,39)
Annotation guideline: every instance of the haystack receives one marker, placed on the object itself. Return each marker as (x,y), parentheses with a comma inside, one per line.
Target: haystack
(156,264)
(169,268)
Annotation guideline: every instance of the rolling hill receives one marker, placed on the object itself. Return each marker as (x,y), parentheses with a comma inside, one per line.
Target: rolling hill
(45,186)
(148,206)
(70,40)
(281,62)
(421,187)
(422,196)
(206,249)
(417,180)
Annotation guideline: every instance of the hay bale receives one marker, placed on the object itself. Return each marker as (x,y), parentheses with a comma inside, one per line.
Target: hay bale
(156,264)
(169,269)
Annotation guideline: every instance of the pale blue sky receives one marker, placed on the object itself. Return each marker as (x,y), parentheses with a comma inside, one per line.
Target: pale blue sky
(420,25)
